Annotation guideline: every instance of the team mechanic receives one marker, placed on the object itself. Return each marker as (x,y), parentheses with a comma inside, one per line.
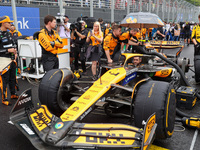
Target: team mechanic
(7,50)
(50,41)
(130,38)
(112,42)
(196,38)
(112,45)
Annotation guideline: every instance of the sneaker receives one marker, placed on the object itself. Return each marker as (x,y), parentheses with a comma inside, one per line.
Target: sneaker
(14,96)
(94,77)
(80,70)
(188,44)
(6,102)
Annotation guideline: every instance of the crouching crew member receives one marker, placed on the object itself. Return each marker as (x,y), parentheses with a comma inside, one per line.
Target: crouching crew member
(50,43)
(196,38)
(130,39)
(112,45)
(7,50)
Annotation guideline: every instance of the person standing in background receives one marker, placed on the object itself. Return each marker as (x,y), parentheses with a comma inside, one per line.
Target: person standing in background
(79,46)
(64,29)
(50,41)
(14,32)
(177,31)
(7,50)
(96,38)
(187,34)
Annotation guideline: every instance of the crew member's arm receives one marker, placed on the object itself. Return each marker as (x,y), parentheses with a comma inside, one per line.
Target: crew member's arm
(66,28)
(46,43)
(10,50)
(58,42)
(130,42)
(193,36)
(88,37)
(80,35)
(122,46)
(106,46)
(158,32)
(72,35)
(124,37)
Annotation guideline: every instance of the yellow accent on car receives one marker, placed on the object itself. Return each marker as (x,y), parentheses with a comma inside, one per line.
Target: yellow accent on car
(40,118)
(110,133)
(96,91)
(163,73)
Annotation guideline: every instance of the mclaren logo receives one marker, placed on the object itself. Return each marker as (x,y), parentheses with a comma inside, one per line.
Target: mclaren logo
(75,109)
(113,73)
(23,101)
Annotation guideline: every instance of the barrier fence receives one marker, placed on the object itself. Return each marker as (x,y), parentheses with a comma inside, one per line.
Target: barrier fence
(168,10)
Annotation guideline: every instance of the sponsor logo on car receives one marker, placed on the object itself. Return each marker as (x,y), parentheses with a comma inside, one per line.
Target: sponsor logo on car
(24,100)
(75,109)
(59,125)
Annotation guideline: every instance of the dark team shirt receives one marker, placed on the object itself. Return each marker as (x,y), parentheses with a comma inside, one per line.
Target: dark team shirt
(80,41)
(6,42)
(187,28)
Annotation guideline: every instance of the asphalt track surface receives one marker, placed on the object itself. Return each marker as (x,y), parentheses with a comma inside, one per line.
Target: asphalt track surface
(12,139)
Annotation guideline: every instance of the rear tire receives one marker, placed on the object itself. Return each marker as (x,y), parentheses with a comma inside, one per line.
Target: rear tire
(159,97)
(197,67)
(54,90)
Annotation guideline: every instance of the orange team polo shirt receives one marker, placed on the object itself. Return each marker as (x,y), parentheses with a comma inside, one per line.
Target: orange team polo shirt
(95,41)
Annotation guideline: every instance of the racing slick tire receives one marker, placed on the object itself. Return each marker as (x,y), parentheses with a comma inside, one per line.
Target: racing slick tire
(156,96)
(197,67)
(54,89)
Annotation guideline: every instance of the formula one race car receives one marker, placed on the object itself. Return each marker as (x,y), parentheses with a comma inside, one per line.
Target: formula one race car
(147,89)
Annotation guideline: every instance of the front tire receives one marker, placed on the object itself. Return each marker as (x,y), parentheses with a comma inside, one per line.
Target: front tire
(54,89)
(156,96)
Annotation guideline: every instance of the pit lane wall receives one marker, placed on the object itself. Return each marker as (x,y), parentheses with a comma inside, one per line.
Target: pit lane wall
(30,18)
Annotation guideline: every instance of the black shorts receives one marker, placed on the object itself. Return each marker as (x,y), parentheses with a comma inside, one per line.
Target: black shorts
(187,35)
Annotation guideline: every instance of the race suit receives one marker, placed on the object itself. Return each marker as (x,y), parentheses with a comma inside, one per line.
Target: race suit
(9,77)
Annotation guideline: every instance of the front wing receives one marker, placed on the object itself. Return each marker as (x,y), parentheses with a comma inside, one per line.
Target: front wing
(36,124)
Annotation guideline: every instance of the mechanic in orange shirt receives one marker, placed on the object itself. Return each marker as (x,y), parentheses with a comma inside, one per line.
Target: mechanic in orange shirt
(112,45)
(14,32)
(129,35)
(50,42)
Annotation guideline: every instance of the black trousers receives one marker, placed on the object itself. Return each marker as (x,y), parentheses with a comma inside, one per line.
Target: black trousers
(77,50)
(196,51)
(50,62)
(9,78)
